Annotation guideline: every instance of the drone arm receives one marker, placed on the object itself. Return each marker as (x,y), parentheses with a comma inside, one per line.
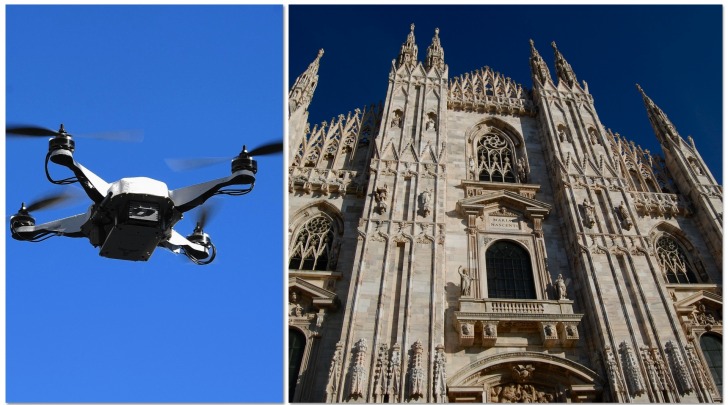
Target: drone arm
(92,184)
(70,227)
(176,243)
(187,198)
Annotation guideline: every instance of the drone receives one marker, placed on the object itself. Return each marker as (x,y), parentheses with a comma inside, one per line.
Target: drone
(131,217)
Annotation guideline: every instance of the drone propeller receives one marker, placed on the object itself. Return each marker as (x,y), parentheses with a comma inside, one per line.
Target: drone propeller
(48,201)
(190,164)
(204,214)
(37,131)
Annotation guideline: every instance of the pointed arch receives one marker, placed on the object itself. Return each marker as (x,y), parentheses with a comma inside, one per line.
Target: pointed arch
(675,255)
(497,149)
(316,234)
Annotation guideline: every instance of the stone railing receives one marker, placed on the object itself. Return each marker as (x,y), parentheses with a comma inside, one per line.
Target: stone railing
(660,204)
(479,321)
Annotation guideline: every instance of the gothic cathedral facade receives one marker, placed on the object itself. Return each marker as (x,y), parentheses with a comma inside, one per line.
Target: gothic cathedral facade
(473,240)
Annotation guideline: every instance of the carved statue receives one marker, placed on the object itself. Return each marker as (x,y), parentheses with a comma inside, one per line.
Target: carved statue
(562,133)
(381,196)
(294,308)
(521,169)
(426,198)
(561,287)
(588,213)
(430,122)
(471,166)
(465,281)
(397,120)
(626,221)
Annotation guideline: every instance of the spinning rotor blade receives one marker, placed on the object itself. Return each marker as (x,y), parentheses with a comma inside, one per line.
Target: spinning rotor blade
(29,130)
(190,164)
(37,131)
(49,201)
(204,213)
(267,149)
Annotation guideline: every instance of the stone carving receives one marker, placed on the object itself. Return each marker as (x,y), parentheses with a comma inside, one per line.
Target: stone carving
(471,167)
(380,374)
(703,317)
(624,215)
(294,307)
(549,330)
(696,167)
(561,130)
(521,169)
(651,370)
(417,372)
(632,370)
(396,120)
(561,287)
(698,369)
(571,331)
(489,90)
(332,388)
(589,219)
(381,197)
(431,121)
(426,202)
(593,136)
(523,373)
(359,372)
(679,370)
(522,393)
(393,383)
(440,379)
(490,330)
(615,376)
(465,281)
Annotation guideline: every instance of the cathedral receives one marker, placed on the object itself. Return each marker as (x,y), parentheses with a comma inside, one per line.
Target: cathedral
(471,239)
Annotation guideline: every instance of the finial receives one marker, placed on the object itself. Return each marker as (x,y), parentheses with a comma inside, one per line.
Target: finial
(412,27)
(321,52)
(553,45)
(437,31)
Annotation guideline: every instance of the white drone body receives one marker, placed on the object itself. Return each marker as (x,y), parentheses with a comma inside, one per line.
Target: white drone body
(131,217)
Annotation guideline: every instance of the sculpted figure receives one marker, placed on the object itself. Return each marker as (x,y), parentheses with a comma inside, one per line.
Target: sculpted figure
(465,281)
(561,287)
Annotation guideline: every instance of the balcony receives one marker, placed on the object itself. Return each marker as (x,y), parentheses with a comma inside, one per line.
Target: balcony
(481,321)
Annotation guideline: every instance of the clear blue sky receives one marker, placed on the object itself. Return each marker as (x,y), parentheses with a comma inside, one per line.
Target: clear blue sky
(199,81)
(673,52)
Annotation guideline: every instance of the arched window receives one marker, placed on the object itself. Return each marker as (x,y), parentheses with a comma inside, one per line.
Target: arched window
(509,271)
(495,159)
(712,347)
(312,245)
(674,262)
(296,346)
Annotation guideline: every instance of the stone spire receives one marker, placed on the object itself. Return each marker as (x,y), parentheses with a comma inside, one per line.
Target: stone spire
(435,53)
(660,123)
(539,71)
(301,93)
(563,69)
(408,53)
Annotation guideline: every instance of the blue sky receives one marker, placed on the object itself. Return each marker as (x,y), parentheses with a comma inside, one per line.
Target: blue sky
(198,81)
(673,52)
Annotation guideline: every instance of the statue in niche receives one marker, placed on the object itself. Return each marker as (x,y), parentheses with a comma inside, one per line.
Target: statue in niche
(397,120)
(471,166)
(695,166)
(430,125)
(465,281)
(626,221)
(562,133)
(425,200)
(588,213)
(381,196)
(561,287)
(593,136)
(521,169)
(294,308)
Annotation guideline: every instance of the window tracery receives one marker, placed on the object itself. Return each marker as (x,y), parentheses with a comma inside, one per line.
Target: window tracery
(495,158)
(312,248)
(675,264)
